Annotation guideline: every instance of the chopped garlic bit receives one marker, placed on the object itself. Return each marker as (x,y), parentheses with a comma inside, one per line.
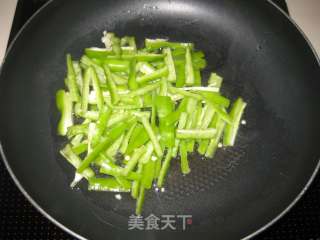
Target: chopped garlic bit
(243,122)
(118,196)
(220,145)
(106,39)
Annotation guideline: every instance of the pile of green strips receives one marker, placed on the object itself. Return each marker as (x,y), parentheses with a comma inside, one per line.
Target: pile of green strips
(127,112)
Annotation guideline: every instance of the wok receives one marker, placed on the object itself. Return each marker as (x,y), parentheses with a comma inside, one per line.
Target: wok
(261,54)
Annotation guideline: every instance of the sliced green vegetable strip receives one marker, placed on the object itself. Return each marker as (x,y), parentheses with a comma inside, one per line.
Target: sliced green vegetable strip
(146,68)
(126,184)
(78,72)
(180,72)
(97,89)
(170,64)
(164,168)
(81,148)
(117,65)
(125,142)
(148,173)
(154,44)
(153,76)
(190,81)
(110,168)
(185,169)
(185,93)
(119,80)
(77,129)
(85,89)
(213,144)
(111,86)
(113,149)
(196,133)
(132,82)
(106,185)
(182,123)
(157,167)
(72,81)
(102,124)
(216,98)
(152,136)
(133,160)
(103,145)
(144,90)
(100,53)
(138,138)
(140,200)
(64,105)
(75,161)
(215,81)
(232,129)
(197,77)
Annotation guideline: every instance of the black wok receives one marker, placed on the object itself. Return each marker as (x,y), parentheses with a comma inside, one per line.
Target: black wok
(262,56)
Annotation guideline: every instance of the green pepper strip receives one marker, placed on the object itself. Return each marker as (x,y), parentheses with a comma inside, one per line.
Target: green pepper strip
(100,53)
(170,64)
(213,144)
(110,168)
(182,123)
(64,105)
(102,124)
(197,77)
(72,81)
(85,89)
(153,76)
(133,160)
(196,133)
(144,90)
(132,81)
(164,168)
(175,90)
(140,200)
(111,86)
(148,173)
(125,142)
(77,129)
(215,98)
(152,136)
(125,183)
(116,65)
(185,169)
(78,72)
(154,44)
(138,138)
(97,89)
(180,72)
(106,185)
(232,129)
(113,149)
(75,160)
(189,69)
(87,62)
(81,148)
(112,135)
(146,68)
(215,81)
(136,184)
(119,80)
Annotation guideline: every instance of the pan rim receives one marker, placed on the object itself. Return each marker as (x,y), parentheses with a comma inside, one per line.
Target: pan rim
(74,234)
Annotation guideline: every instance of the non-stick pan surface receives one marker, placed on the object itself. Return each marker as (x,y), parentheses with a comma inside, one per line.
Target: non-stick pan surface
(262,56)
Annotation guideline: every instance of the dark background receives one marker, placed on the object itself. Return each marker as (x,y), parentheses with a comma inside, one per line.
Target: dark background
(20,220)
